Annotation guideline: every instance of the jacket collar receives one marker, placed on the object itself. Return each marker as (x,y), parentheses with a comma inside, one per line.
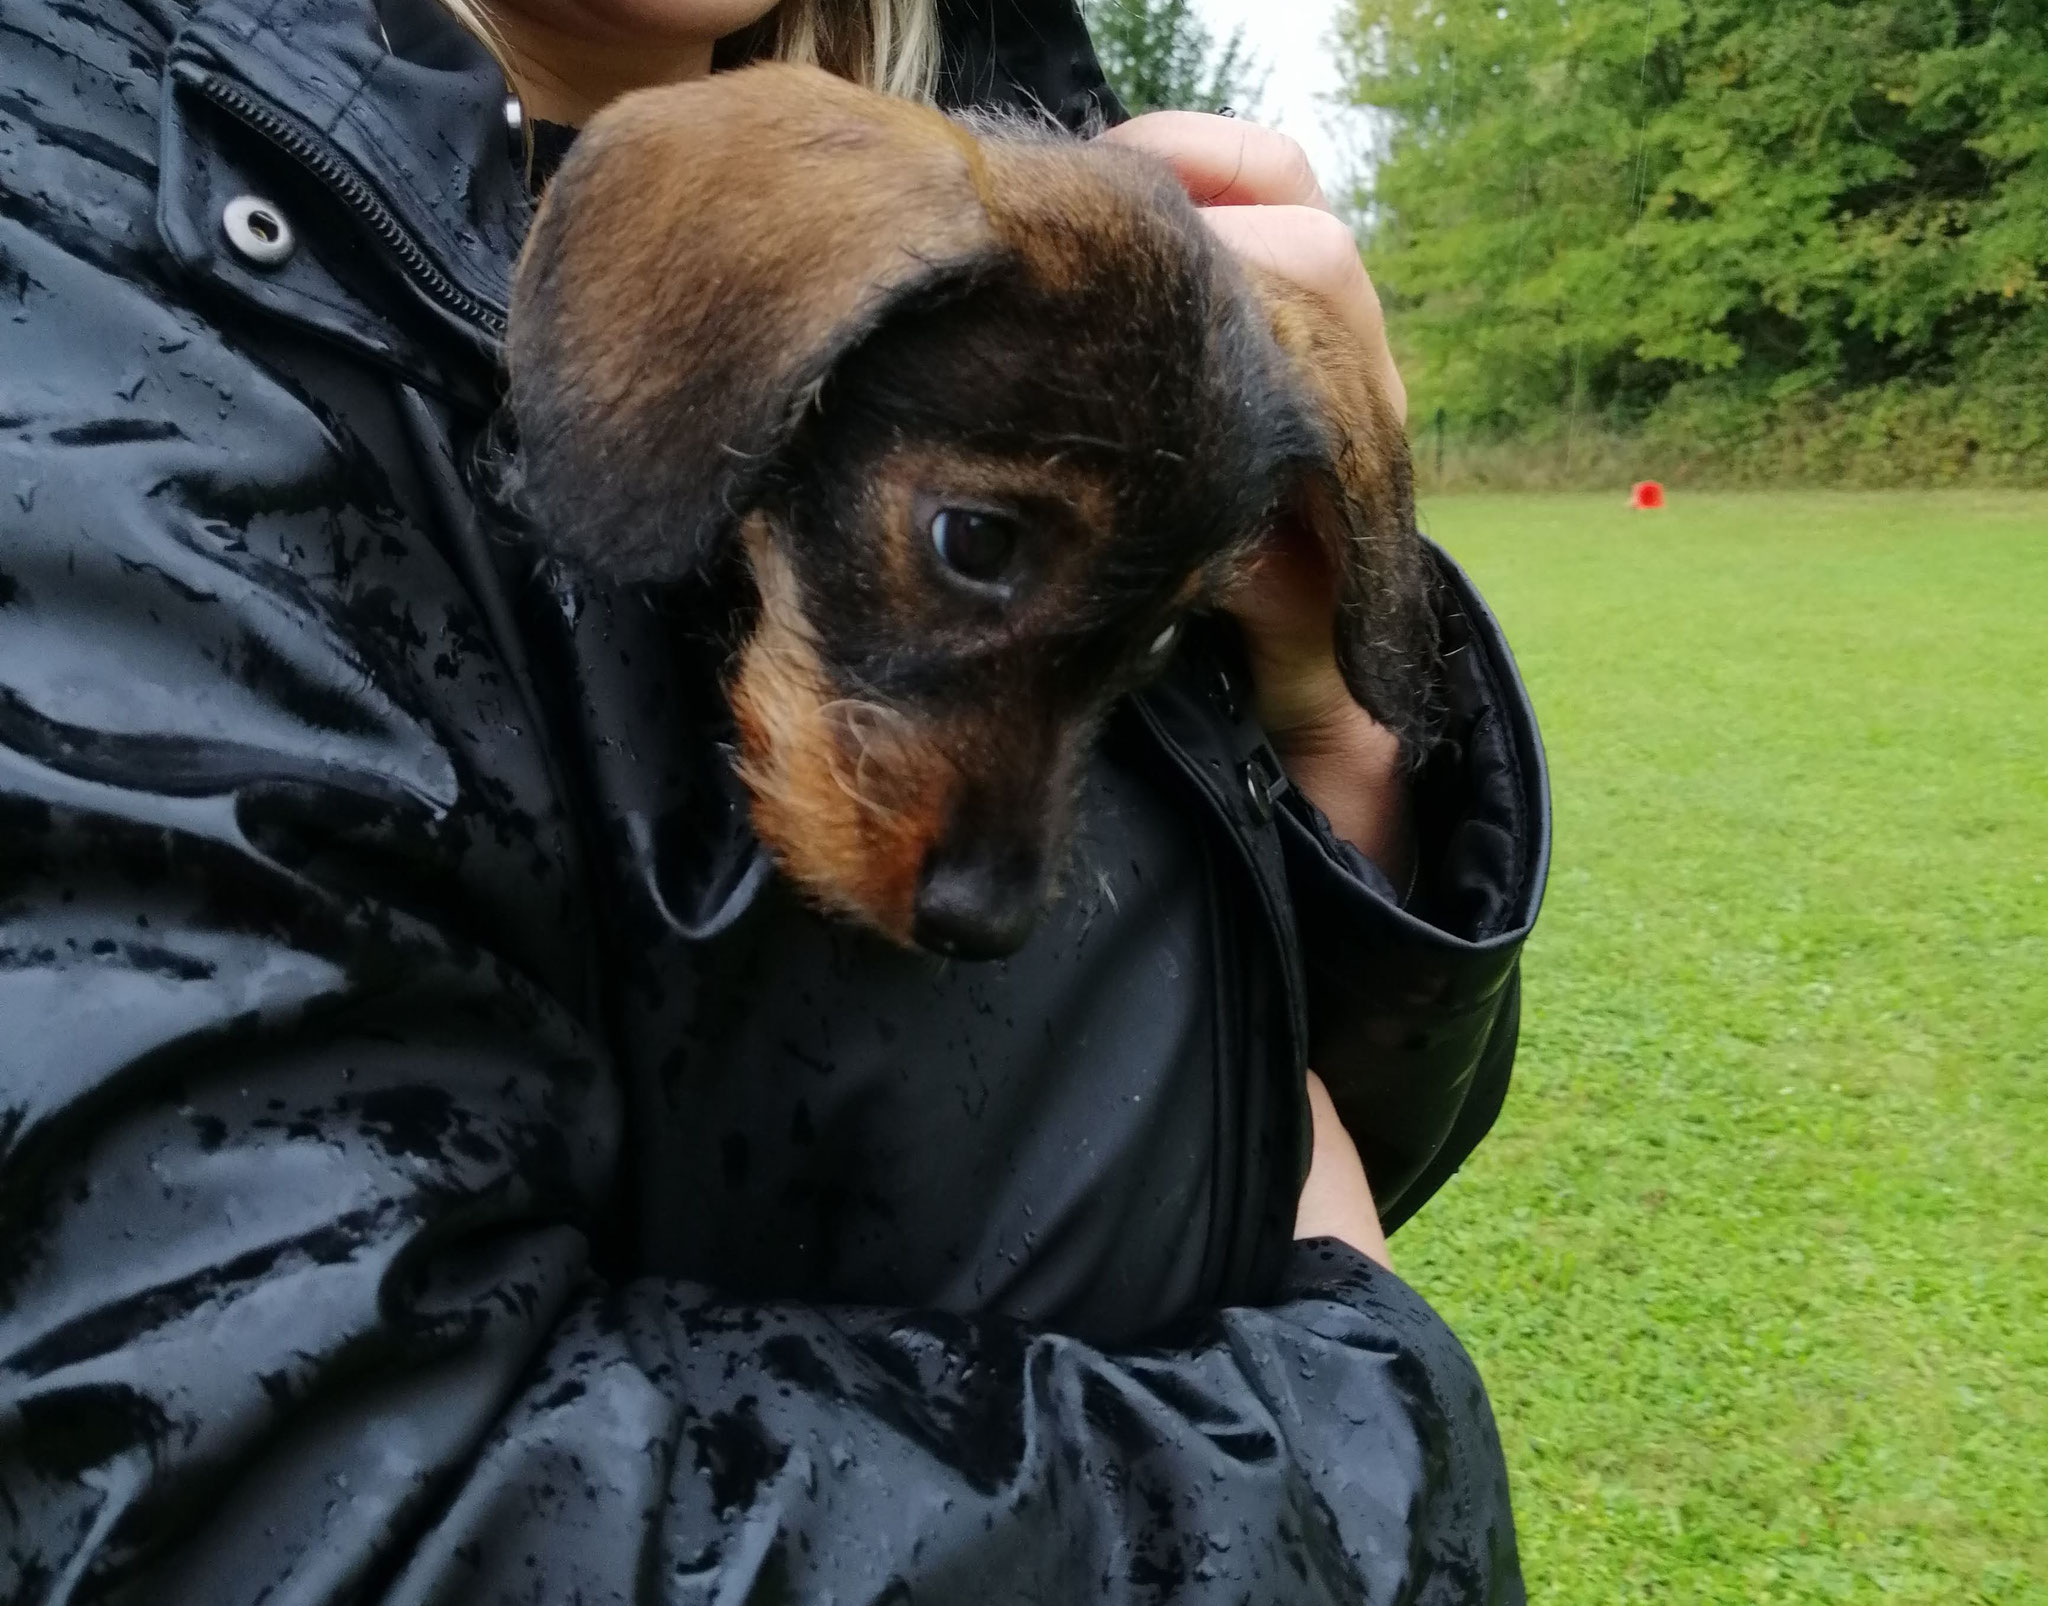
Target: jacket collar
(403,96)
(402,117)
(1033,55)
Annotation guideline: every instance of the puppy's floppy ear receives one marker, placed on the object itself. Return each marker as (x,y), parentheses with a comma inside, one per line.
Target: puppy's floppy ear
(701,259)
(1357,495)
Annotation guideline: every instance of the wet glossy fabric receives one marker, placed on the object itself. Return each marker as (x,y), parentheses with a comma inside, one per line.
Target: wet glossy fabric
(798,1143)
(354,895)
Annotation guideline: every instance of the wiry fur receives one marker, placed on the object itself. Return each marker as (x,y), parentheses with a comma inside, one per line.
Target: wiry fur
(841,784)
(771,320)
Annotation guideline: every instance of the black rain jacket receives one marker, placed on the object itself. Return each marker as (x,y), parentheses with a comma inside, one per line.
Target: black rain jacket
(440,1162)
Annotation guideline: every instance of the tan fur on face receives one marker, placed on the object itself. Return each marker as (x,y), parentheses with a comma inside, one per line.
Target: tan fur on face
(846,796)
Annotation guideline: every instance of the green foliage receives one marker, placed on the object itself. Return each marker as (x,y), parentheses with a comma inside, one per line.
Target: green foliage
(1158,55)
(1754,1264)
(1984,430)
(1597,207)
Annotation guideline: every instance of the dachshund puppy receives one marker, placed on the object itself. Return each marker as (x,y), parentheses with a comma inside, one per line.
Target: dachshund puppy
(971,415)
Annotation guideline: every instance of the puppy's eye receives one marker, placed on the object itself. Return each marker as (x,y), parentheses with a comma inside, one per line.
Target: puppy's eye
(974,545)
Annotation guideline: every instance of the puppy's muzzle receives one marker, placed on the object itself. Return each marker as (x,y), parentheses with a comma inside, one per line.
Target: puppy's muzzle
(978,900)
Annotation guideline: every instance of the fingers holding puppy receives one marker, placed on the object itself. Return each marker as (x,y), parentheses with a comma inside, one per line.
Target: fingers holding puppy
(1316,251)
(1222,161)
(1260,195)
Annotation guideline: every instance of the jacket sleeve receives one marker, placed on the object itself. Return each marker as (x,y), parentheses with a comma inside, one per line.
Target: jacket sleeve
(304,1136)
(1414,1003)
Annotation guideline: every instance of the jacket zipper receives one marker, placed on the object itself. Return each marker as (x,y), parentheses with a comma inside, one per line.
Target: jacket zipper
(342,181)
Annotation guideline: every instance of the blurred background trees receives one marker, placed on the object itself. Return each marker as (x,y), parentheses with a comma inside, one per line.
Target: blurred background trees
(1160,55)
(1769,239)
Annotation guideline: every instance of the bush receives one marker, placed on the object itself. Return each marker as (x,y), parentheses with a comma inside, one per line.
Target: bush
(1890,436)
(1751,240)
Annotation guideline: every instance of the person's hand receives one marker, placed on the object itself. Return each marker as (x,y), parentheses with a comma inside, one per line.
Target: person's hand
(1260,196)
(1335,1201)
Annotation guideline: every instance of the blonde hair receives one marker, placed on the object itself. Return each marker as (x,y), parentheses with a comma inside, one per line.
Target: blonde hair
(890,45)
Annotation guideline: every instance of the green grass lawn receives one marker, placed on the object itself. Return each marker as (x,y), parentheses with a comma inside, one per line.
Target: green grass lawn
(1756,1261)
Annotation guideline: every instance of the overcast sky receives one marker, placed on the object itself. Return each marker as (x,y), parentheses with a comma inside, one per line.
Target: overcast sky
(1290,39)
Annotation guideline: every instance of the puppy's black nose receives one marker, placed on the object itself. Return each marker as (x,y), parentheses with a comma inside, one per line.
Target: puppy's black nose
(976,908)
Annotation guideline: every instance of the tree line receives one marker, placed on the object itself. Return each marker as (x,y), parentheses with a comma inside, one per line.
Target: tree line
(1738,225)
(1760,238)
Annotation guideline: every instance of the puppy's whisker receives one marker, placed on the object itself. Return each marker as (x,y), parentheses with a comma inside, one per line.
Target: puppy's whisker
(878,736)
(1087,443)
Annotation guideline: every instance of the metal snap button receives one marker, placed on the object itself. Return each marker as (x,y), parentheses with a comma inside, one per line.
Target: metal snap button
(515,127)
(1261,791)
(258,231)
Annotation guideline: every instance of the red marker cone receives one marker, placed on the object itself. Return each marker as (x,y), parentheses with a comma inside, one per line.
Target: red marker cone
(1646,494)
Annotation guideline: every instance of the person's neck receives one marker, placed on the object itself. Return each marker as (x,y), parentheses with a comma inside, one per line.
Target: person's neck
(562,77)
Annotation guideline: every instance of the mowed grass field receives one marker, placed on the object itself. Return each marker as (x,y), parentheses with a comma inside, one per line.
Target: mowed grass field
(1756,1261)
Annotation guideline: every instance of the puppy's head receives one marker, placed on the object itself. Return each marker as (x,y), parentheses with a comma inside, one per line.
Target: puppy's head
(980,417)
